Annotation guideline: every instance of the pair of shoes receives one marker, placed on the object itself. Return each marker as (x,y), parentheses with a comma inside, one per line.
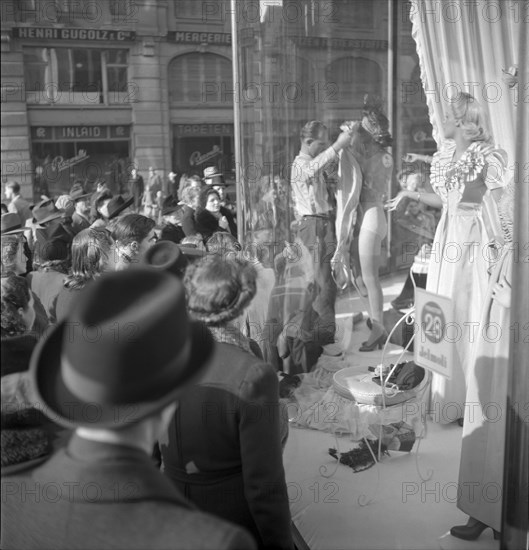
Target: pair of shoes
(401,304)
(376,344)
(471,531)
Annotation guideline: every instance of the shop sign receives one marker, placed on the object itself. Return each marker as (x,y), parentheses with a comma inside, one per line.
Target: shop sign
(188,130)
(437,332)
(98,35)
(80,132)
(340,43)
(77,133)
(59,163)
(191,37)
(197,158)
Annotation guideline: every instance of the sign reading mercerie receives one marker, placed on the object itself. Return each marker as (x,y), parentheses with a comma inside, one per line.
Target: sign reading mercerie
(192,37)
(47,33)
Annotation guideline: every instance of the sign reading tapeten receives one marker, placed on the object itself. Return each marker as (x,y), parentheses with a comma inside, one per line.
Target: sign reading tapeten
(434,343)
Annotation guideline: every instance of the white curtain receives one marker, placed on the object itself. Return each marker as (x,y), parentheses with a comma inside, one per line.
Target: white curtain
(463,46)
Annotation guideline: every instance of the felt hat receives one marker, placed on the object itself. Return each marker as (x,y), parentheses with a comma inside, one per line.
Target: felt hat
(125,351)
(77,192)
(45,211)
(11,224)
(170,208)
(53,243)
(192,252)
(166,256)
(213,176)
(117,205)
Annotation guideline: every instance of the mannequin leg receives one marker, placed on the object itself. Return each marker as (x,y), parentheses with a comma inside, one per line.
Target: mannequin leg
(372,232)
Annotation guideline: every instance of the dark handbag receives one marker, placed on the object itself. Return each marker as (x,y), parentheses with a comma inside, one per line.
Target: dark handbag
(406,376)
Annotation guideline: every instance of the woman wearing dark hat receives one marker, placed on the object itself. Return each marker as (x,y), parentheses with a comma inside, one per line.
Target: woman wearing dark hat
(23,438)
(51,263)
(101,209)
(211,216)
(223,447)
(92,255)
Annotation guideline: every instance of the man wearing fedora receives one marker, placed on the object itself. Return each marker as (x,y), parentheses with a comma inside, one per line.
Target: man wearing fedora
(118,392)
(81,215)
(18,205)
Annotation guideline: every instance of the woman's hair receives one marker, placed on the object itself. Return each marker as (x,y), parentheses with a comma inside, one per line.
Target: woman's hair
(219,289)
(10,244)
(91,249)
(204,194)
(189,195)
(131,227)
(15,295)
(473,118)
(222,242)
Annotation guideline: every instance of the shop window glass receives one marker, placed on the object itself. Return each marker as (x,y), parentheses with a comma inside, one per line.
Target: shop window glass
(201,79)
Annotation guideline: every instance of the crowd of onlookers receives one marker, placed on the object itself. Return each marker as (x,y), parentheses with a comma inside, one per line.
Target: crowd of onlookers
(124,369)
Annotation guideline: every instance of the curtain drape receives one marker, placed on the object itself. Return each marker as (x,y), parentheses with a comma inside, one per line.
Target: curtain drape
(462,47)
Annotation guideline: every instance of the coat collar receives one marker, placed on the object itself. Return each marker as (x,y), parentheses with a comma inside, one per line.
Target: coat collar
(95,472)
(230,334)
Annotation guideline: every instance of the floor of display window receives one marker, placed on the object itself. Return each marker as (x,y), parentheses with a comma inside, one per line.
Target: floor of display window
(402,512)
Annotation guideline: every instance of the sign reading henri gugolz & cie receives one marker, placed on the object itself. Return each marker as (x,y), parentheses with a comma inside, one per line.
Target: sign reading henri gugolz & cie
(99,35)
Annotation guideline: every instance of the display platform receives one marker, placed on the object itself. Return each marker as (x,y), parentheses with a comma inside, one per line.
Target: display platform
(387,506)
(384,507)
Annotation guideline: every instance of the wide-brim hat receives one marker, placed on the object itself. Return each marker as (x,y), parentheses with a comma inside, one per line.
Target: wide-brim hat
(117,205)
(45,211)
(166,256)
(170,208)
(77,192)
(53,243)
(86,374)
(11,224)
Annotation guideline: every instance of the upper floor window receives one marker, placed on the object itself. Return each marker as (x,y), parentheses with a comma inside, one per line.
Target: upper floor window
(76,75)
(66,11)
(207,11)
(201,78)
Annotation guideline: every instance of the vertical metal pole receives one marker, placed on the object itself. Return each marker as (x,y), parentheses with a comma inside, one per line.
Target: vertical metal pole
(515,518)
(393,37)
(239,194)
